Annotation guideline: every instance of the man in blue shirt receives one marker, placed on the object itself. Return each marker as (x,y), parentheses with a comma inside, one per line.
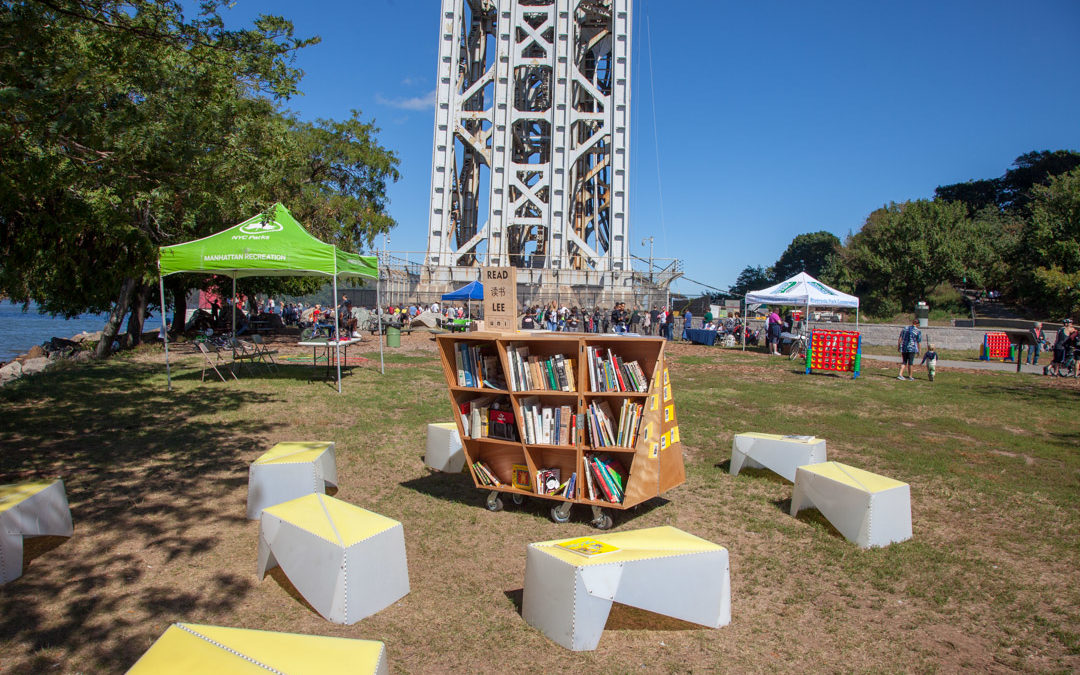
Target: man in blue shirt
(908,346)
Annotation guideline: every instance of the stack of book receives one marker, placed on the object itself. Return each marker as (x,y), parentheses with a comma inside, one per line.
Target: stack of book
(488,417)
(536,373)
(602,431)
(548,426)
(547,483)
(612,374)
(476,367)
(486,475)
(605,479)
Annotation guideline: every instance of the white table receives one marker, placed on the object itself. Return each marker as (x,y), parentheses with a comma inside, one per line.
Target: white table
(868,509)
(659,569)
(444,451)
(347,562)
(779,454)
(328,345)
(31,509)
(288,471)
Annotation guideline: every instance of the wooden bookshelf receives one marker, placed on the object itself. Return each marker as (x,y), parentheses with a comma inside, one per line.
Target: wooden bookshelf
(652,465)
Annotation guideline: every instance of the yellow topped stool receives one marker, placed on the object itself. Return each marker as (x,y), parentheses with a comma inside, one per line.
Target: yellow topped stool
(31,509)
(868,509)
(444,451)
(288,471)
(571,583)
(191,648)
(347,562)
(779,454)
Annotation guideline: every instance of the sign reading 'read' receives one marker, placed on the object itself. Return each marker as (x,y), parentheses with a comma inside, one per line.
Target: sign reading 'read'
(500,298)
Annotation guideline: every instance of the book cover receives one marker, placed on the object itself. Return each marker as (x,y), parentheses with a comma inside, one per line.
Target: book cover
(502,425)
(589,486)
(598,478)
(520,478)
(588,547)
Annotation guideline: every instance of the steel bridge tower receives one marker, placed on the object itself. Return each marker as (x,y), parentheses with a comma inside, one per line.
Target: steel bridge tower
(532,146)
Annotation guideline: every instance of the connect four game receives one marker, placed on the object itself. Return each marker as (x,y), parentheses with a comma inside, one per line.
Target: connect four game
(996,346)
(838,350)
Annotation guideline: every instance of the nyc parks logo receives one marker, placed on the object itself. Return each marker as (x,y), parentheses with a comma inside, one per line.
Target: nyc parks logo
(261,228)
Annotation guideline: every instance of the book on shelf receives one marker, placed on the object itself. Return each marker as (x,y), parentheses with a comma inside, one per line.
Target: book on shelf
(547,481)
(477,367)
(610,373)
(605,433)
(607,474)
(553,425)
(529,372)
(486,475)
(520,477)
(588,547)
(488,417)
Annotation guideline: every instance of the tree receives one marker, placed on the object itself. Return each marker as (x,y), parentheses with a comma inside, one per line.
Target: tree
(126,126)
(1012,192)
(751,279)
(808,253)
(1049,265)
(905,250)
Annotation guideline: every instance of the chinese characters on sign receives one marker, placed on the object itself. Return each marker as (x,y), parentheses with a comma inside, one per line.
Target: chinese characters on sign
(500,298)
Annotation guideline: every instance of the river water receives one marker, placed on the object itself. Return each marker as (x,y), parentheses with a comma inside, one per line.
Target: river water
(19,330)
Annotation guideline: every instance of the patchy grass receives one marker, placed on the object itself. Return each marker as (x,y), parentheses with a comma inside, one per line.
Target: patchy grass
(157,486)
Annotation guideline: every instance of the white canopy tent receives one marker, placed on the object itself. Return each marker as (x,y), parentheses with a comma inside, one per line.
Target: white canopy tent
(802,290)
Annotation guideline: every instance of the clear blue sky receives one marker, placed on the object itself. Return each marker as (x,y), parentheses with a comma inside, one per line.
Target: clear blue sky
(772,118)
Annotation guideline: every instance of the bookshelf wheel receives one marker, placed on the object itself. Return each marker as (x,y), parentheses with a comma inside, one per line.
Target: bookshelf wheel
(601,520)
(560,513)
(494,501)
(517,499)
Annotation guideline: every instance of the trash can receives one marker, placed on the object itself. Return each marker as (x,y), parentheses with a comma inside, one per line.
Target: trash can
(393,336)
(922,313)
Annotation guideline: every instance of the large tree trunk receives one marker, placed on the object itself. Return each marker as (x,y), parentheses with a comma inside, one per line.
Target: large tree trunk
(138,314)
(179,293)
(116,317)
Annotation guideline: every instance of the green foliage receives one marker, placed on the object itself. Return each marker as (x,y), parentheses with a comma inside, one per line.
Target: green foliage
(810,253)
(1050,255)
(904,250)
(751,279)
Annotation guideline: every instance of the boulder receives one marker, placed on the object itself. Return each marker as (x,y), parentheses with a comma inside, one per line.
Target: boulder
(84,336)
(36,352)
(84,357)
(11,371)
(60,344)
(34,366)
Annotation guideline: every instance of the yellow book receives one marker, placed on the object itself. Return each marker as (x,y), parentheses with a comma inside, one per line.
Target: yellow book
(588,547)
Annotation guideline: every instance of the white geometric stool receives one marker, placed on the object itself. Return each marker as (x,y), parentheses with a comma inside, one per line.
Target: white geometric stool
(347,562)
(444,448)
(288,471)
(192,648)
(868,509)
(31,509)
(780,454)
(660,569)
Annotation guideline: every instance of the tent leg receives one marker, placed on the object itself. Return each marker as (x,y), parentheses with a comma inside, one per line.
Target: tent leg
(745,322)
(233,341)
(165,330)
(378,313)
(337,333)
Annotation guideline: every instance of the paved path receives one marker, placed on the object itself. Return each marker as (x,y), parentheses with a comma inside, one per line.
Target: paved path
(1006,367)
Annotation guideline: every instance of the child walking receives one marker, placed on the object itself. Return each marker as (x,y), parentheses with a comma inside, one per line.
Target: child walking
(930,360)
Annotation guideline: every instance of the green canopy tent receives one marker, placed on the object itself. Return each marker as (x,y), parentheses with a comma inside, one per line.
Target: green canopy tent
(271,244)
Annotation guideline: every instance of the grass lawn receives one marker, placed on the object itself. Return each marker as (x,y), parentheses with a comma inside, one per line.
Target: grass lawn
(157,486)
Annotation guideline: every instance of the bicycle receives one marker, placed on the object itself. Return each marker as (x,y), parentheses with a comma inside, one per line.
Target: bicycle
(798,349)
(318,330)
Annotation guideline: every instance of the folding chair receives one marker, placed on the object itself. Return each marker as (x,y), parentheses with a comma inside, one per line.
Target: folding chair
(243,353)
(264,353)
(208,362)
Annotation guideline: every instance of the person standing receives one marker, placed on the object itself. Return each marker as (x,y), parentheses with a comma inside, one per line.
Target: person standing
(654,320)
(772,332)
(908,346)
(929,359)
(688,323)
(1035,334)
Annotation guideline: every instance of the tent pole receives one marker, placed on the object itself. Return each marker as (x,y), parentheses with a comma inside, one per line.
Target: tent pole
(744,322)
(337,328)
(233,341)
(164,329)
(378,310)
(856,318)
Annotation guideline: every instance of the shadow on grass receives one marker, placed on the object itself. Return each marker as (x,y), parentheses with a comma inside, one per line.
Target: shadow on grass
(621,617)
(451,487)
(145,480)
(810,516)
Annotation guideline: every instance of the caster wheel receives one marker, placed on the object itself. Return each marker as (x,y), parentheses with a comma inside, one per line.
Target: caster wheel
(561,512)
(517,499)
(494,502)
(604,522)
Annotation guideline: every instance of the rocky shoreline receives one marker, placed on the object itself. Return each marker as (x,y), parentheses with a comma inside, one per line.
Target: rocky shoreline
(78,348)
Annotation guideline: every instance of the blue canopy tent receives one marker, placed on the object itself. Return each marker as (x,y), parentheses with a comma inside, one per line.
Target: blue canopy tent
(474,290)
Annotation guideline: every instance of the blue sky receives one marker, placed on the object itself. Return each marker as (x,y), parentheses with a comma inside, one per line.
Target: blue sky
(769,119)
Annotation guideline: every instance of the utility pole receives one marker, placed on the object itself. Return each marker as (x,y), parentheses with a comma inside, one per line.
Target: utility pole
(650,240)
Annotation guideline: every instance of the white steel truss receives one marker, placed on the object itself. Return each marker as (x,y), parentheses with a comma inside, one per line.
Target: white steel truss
(532,143)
